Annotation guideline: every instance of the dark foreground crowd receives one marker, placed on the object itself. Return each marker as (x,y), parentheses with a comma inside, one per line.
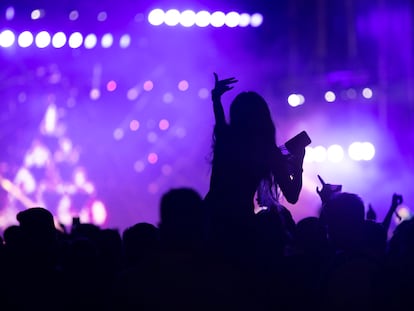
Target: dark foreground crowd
(339,261)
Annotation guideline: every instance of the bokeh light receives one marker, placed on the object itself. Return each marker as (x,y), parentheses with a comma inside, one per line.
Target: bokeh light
(152,158)
(132,94)
(335,153)
(203,19)
(355,151)
(118,134)
(94,94)
(25,39)
(9,13)
(73,15)
(102,16)
(134,125)
(232,19)
(125,41)
(203,93)
(330,96)
(367,93)
(172,17)
(111,86)
(319,154)
(152,137)
(183,85)
(218,19)
(99,213)
(187,18)
(58,40)
(156,17)
(164,124)
(148,85)
(42,39)
(244,20)
(168,98)
(90,41)
(256,20)
(75,40)
(139,166)
(107,40)
(7,38)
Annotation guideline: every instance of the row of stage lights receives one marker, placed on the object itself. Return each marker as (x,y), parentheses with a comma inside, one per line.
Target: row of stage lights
(357,151)
(58,40)
(189,18)
(295,100)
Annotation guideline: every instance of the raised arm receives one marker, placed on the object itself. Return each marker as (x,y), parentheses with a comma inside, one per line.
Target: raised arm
(220,87)
(397,200)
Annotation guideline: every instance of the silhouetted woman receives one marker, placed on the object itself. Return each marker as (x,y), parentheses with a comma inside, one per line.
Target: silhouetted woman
(246,159)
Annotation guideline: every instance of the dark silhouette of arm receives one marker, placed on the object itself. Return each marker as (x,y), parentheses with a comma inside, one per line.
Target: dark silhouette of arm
(396,201)
(220,87)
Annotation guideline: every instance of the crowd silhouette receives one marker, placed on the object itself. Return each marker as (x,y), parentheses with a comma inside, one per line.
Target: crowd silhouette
(216,253)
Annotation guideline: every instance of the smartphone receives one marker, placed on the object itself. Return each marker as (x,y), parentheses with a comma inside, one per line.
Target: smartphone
(297,143)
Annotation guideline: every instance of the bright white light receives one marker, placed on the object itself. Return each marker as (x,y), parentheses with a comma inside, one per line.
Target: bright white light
(36,14)
(125,41)
(75,40)
(308,155)
(187,18)
(25,39)
(330,97)
(355,151)
(107,40)
(99,213)
(217,19)
(172,17)
(9,13)
(7,38)
(319,154)
(256,20)
(295,100)
(244,20)
(203,19)
(156,17)
(59,40)
(368,152)
(232,19)
(79,177)
(42,39)
(51,117)
(90,41)
(367,93)
(335,153)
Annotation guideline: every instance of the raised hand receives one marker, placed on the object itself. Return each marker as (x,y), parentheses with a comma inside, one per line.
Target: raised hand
(327,190)
(221,86)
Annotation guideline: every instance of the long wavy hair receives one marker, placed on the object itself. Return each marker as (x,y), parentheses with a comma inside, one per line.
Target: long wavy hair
(253,129)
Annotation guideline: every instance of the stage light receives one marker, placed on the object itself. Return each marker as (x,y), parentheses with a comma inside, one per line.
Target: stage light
(125,41)
(295,100)
(51,117)
(202,19)
(7,38)
(90,41)
(152,137)
(75,40)
(180,132)
(79,177)
(152,158)
(203,93)
(36,14)
(351,93)
(99,213)
(118,134)
(73,15)
(166,169)
(367,93)
(10,13)
(134,125)
(111,86)
(58,40)
(368,151)
(107,40)
(102,16)
(139,166)
(132,94)
(308,155)
(330,96)
(42,39)
(164,124)
(244,20)
(335,153)
(148,85)
(256,20)
(168,98)
(183,85)
(156,17)
(94,94)
(232,19)
(187,18)
(355,151)
(25,39)
(319,154)
(172,17)
(217,19)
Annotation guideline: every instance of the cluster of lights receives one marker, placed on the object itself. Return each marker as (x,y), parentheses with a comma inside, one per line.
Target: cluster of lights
(296,99)
(357,151)
(58,40)
(189,18)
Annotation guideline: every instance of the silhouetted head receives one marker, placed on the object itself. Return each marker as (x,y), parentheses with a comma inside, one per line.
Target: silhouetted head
(249,113)
(140,241)
(181,215)
(311,235)
(37,224)
(345,214)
